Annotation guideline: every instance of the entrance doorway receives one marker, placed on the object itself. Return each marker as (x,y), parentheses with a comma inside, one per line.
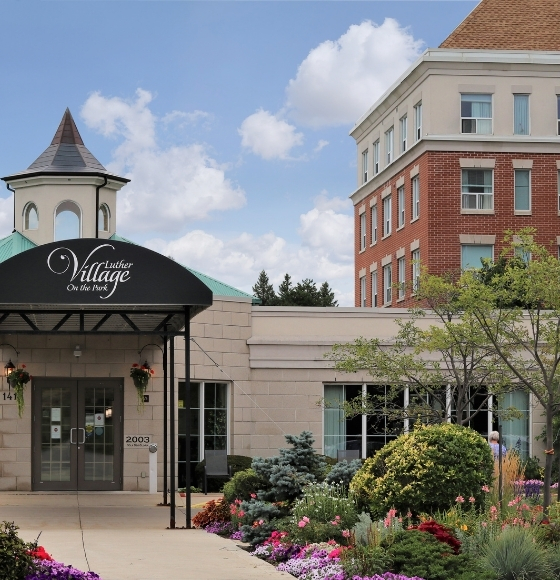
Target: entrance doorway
(77,434)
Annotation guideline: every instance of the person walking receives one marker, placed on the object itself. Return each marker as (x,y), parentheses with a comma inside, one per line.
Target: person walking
(494,438)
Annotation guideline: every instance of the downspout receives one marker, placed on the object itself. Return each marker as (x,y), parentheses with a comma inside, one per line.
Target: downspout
(96,206)
(14,192)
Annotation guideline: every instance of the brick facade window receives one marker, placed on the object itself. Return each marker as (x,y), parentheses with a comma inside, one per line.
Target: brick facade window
(522,195)
(374,224)
(374,298)
(401,267)
(363,232)
(387,216)
(476,114)
(387,284)
(472,255)
(401,204)
(415,197)
(477,188)
(415,257)
(363,291)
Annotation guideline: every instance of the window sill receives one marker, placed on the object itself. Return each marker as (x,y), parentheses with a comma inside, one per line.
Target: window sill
(477,211)
(387,305)
(400,228)
(401,299)
(522,212)
(385,237)
(362,251)
(374,244)
(414,220)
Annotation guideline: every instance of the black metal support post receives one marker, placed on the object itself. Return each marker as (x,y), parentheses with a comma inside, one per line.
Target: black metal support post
(187,405)
(172,431)
(165,387)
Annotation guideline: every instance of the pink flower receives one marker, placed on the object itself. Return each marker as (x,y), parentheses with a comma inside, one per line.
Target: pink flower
(493,509)
(408,514)
(302,524)
(336,517)
(241,513)
(261,522)
(511,503)
(483,524)
(334,523)
(485,489)
(253,495)
(346,533)
(471,499)
(305,519)
(460,499)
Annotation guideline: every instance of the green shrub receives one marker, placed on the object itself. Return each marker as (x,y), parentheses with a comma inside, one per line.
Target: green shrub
(322,514)
(259,520)
(416,553)
(532,468)
(425,470)
(343,472)
(516,556)
(215,484)
(365,561)
(242,485)
(553,554)
(15,562)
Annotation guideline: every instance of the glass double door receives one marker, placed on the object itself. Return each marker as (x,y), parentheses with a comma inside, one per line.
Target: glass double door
(77,434)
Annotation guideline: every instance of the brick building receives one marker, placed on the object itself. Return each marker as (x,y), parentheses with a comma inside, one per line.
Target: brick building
(462,147)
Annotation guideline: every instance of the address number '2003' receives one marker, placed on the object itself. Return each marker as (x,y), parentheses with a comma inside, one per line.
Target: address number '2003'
(137,440)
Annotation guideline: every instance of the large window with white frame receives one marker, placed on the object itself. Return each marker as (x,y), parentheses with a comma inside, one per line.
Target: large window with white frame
(415,197)
(209,423)
(477,189)
(363,232)
(415,259)
(376,157)
(473,255)
(476,114)
(401,206)
(365,164)
(387,284)
(374,291)
(521,114)
(522,190)
(558,112)
(401,267)
(363,292)
(387,210)
(374,224)
(389,146)
(404,133)
(418,121)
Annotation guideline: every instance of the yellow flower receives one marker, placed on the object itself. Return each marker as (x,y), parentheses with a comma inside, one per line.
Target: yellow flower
(464,528)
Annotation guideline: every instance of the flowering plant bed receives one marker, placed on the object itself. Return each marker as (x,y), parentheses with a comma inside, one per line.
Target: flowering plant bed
(47,567)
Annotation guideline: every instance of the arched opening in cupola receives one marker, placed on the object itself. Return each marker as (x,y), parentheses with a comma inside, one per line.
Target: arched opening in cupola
(67,221)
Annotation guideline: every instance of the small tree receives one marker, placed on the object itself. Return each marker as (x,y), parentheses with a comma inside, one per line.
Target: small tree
(304,293)
(264,290)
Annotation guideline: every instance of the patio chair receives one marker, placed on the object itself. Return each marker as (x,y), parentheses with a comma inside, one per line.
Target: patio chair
(347,454)
(216,466)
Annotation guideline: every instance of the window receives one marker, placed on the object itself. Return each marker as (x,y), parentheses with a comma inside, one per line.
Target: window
(209,423)
(362,232)
(387,216)
(376,157)
(558,112)
(477,188)
(472,256)
(418,121)
(415,270)
(476,114)
(515,432)
(364,433)
(30,217)
(401,204)
(389,142)
(387,284)
(374,224)
(363,291)
(559,191)
(104,218)
(374,302)
(67,222)
(402,277)
(365,166)
(416,197)
(404,130)
(521,114)
(522,187)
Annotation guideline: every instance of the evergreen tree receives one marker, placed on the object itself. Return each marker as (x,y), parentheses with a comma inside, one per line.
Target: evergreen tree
(264,290)
(326,295)
(285,292)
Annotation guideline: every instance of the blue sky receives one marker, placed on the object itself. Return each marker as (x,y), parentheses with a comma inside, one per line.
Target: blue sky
(231,118)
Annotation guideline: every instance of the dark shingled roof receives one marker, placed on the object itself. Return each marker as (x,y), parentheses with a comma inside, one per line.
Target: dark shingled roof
(509,25)
(66,154)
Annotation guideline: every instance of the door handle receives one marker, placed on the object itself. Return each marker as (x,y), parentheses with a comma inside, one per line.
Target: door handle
(84,435)
(71,440)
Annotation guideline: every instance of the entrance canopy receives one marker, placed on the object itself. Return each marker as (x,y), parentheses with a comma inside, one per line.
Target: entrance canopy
(97,286)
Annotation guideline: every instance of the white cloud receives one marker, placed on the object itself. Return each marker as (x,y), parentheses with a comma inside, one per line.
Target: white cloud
(170,186)
(183,118)
(339,80)
(322,143)
(325,252)
(6,215)
(268,136)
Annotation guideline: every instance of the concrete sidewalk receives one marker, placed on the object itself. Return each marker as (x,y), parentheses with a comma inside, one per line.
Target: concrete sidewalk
(123,536)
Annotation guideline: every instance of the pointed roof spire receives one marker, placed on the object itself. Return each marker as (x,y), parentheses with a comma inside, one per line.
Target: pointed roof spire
(66,155)
(67,131)
(509,25)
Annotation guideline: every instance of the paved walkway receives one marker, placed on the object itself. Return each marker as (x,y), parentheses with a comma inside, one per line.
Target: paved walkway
(123,536)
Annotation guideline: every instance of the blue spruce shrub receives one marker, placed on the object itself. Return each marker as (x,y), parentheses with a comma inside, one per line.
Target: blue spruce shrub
(343,472)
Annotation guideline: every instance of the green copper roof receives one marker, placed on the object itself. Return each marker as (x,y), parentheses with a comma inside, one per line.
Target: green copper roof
(218,288)
(14,244)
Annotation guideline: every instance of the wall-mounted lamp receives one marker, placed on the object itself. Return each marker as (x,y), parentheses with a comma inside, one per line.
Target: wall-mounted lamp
(77,352)
(9,366)
(146,366)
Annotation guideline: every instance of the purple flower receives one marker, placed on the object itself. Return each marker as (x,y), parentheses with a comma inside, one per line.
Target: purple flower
(48,570)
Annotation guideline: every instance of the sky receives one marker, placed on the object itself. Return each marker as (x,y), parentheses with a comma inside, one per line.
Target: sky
(230,118)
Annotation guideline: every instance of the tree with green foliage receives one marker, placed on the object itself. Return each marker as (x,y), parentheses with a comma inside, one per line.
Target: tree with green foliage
(304,293)
(264,290)
(518,310)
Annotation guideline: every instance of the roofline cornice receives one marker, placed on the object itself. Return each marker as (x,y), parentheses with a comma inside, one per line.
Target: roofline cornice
(24,175)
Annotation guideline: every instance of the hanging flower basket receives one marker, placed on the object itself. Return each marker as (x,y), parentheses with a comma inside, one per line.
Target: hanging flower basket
(140,377)
(17,379)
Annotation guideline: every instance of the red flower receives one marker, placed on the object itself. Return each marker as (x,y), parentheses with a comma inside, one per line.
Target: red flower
(40,554)
(134,365)
(22,366)
(152,372)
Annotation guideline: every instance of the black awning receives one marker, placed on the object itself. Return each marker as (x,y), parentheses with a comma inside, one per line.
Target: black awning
(99,286)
